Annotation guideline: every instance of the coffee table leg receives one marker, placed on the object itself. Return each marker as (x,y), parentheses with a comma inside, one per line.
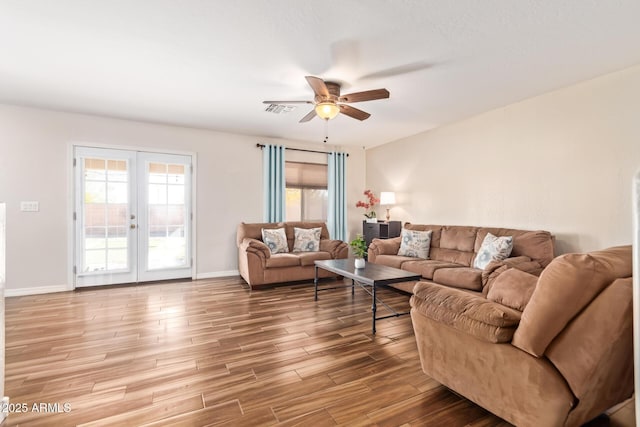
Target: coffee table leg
(373,310)
(353,287)
(315,284)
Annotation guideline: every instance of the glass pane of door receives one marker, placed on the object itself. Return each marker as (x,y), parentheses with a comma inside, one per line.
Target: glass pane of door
(106,196)
(167,222)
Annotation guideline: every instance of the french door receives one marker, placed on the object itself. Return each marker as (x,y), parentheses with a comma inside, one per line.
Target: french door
(132,216)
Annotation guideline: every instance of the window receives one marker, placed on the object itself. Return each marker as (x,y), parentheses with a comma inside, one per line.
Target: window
(306,188)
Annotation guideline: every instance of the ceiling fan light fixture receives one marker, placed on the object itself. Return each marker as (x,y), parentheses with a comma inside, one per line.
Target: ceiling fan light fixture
(327,110)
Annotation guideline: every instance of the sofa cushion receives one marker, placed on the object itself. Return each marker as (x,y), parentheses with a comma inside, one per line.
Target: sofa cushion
(537,245)
(426,268)
(290,226)
(275,239)
(253,230)
(307,258)
(436,232)
(493,248)
(306,239)
(394,261)
(451,256)
(458,238)
(283,260)
(565,288)
(495,268)
(415,243)
(513,288)
(459,277)
(466,312)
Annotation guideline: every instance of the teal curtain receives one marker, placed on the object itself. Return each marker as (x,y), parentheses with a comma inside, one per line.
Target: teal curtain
(274,183)
(337,176)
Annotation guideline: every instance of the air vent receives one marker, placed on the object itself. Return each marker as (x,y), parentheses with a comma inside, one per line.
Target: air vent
(279,109)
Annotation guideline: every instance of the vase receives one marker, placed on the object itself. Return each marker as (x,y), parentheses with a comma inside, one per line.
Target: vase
(373,220)
(359,262)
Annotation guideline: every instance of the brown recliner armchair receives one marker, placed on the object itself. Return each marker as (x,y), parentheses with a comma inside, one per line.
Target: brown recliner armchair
(562,361)
(259,267)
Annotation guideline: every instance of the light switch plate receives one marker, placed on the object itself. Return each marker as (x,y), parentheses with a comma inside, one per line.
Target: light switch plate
(29,206)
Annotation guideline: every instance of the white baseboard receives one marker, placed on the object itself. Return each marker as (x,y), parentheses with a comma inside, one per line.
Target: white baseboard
(217,274)
(8,292)
(19,292)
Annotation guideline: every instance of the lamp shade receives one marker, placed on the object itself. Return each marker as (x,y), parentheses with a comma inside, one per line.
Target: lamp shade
(387,198)
(327,110)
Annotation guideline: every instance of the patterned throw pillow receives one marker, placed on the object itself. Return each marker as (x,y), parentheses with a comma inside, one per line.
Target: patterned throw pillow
(415,243)
(493,249)
(306,239)
(276,239)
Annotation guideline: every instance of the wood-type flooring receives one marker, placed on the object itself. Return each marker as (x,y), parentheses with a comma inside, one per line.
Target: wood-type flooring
(213,352)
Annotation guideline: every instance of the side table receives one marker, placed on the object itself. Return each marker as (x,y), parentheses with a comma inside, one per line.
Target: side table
(380,230)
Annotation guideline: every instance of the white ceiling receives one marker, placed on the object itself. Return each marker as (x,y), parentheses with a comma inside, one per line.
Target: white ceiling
(210,64)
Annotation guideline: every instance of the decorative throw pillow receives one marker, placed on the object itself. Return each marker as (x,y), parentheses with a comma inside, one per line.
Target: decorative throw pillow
(306,239)
(513,288)
(493,249)
(415,243)
(275,239)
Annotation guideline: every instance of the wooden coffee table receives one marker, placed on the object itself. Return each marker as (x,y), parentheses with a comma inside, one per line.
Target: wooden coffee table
(372,275)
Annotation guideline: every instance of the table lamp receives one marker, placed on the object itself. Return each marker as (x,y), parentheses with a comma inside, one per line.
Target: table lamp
(387,198)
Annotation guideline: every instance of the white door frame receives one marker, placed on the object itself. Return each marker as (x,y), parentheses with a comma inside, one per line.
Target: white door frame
(71,197)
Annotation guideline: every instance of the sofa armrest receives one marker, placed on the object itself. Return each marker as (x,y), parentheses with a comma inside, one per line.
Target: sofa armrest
(252,260)
(383,247)
(594,352)
(467,312)
(255,246)
(337,248)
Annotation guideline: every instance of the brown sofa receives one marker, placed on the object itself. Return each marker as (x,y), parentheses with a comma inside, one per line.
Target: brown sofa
(258,267)
(561,362)
(453,251)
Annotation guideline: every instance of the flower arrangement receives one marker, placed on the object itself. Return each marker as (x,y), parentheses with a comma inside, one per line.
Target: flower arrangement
(359,246)
(372,200)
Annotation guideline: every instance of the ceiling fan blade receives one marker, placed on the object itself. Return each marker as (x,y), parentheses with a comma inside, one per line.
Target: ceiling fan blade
(368,95)
(287,102)
(397,71)
(308,117)
(318,86)
(354,112)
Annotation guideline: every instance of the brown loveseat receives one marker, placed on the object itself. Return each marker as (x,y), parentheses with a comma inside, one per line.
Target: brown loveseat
(258,266)
(453,251)
(561,362)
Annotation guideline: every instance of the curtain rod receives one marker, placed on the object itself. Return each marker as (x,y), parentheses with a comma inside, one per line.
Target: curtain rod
(261,146)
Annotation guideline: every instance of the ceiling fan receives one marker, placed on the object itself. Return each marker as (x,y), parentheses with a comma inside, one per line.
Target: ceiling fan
(328,102)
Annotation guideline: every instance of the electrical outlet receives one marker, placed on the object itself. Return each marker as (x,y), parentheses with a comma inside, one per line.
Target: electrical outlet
(29,206)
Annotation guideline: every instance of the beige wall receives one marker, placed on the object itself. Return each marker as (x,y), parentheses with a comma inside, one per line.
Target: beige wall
(35,163)
(562,161)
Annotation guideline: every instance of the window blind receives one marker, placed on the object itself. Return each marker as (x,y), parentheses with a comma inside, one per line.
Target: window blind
(305,175)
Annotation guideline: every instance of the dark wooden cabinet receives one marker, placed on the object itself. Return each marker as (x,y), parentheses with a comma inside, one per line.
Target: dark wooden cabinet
(380,230)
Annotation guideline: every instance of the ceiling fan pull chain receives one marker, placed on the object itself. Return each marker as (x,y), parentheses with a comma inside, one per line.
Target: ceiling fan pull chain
(326,130)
